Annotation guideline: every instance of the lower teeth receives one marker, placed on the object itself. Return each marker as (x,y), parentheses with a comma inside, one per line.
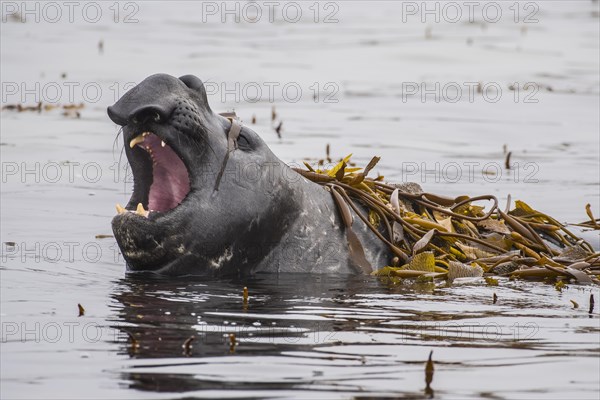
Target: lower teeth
(139,210)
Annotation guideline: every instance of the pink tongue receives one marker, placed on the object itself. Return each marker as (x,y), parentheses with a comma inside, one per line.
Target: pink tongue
(170,182)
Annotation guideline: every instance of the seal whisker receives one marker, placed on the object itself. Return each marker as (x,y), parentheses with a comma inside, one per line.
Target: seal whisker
(115,142)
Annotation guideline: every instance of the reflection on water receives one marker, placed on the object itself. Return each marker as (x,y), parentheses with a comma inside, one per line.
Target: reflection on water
(292,310)
(331,335)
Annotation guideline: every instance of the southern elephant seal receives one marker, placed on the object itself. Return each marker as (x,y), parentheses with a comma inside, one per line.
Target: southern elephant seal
(210,198)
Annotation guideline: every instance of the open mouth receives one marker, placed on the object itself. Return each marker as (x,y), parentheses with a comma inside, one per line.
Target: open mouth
(164,187)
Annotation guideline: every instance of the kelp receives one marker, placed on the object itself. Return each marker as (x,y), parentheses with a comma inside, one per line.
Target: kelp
(187,346)
(433,236)
(429,370)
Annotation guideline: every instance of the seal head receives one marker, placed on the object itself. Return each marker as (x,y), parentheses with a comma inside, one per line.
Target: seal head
(179,220)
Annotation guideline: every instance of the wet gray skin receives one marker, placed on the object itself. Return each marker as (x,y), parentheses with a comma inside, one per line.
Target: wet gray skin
(264,217)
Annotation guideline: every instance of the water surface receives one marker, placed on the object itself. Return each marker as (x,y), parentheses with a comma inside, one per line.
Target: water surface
(299,336)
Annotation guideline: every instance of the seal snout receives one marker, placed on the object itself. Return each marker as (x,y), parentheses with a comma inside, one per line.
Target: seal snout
(154,99)
(156,111)
(115,116)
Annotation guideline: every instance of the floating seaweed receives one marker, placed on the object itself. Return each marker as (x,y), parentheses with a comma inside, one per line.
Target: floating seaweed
(278,129)
(575,304)
(429,369)
(593,223)
(187,346)
(134,344)
(434,236)
(491,281)
(232,343)
(70,110)
(507,160)
(245,299)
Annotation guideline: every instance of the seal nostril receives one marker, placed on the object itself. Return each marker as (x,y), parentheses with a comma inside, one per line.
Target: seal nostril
(149,113)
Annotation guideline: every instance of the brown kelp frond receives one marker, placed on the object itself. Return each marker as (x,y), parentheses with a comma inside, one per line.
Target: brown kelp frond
(442,237)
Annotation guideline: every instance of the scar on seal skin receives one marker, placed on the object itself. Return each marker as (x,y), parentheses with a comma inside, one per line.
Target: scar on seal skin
(210,198)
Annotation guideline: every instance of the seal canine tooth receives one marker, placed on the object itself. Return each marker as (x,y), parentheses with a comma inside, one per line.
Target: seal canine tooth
(120,209)
(162,143)
(140,210)
(136,140)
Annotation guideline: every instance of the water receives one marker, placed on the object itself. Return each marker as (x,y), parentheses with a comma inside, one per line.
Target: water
(299,336)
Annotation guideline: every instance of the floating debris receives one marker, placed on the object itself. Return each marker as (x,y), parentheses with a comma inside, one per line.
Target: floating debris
(491,281)
(494,298)
(588,211)
(575,304)
(50,107)
(429,369)
(254,119)
(438,237)
(71,114)
(134,343)
(591,310)
(69,110)
(73,106)
(187,346)
(101,236)
(593,223)
(245,295)
(232,342)
(16,17)
(428,33)
(37,108)
(278,129)
(507,160)
(81,310)
(273,114)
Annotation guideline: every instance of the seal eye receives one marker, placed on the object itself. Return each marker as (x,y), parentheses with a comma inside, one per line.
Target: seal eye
(156,117)
(243,142)
(135,120)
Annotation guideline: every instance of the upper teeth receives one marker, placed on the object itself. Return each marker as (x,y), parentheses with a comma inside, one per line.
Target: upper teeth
(138,139)
(162,143)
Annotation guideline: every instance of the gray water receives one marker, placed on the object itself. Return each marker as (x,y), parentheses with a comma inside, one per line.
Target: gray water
(299,336)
